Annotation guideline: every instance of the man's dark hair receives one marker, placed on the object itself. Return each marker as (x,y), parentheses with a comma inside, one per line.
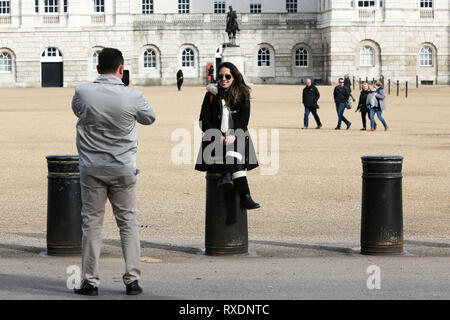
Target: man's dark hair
(109,60)
(341,79)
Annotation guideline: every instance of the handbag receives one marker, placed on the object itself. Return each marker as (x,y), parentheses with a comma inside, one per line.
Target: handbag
(349,103)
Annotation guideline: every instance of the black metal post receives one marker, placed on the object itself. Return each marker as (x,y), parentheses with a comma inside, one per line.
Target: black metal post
(417,81)
(63,206)
(226,229)
(353,83)
(407,89)
(397,87)
(389,86)
(382,207)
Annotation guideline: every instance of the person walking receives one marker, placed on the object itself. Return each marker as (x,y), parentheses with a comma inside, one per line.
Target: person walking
(341,95)
(107,113)
(376,100)
(362,105)
(225,115)
(179,79)
(310,97)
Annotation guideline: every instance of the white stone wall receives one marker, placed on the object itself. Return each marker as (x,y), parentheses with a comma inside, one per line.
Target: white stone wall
(333,32)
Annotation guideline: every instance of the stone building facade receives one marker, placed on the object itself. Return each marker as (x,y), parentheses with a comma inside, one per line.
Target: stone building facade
(56,42)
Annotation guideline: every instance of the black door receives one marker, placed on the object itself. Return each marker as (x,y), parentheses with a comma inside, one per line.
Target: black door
(52,74)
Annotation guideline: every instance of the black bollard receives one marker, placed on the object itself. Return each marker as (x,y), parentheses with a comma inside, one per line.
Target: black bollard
(226,230)
(63,206)
(382,208)
(406,88)
(389,86)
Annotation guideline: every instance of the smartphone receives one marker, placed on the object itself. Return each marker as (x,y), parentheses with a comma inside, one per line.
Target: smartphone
(126,77)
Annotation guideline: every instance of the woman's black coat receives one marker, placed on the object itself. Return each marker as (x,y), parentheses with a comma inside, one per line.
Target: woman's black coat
(362,106)
(211,118)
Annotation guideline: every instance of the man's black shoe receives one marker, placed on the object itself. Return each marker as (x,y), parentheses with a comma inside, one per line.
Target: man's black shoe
(348,126)
(87,289)
(133,288)
(248,203)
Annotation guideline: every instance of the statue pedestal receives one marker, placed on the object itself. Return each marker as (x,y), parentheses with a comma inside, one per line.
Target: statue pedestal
(235,56)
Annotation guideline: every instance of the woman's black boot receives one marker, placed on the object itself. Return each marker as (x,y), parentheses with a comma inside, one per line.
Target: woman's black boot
(247,202)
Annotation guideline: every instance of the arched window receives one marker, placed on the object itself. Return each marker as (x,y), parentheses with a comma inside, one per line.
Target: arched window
(301,57)
(187,58)
(5,62)
(95,60)
(426,57)
(149,59)
(367,57)
(263,57)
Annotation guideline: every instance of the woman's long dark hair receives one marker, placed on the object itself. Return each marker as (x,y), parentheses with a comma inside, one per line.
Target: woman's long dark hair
(239,91)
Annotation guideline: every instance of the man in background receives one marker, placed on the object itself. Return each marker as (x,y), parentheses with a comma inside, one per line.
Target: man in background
(107,112)
(341,95)
(310,97)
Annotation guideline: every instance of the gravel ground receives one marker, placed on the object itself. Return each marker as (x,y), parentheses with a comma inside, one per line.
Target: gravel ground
(315,194)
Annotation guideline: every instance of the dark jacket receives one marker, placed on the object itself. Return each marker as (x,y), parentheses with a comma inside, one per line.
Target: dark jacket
(362,104)
(347,83)
(211,118)
(310,96)
(341,94)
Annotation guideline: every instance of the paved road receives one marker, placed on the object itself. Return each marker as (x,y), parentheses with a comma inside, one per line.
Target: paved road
(195,276)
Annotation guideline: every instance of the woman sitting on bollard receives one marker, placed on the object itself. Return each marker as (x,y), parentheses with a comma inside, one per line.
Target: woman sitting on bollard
(375,100)
(363,107)
(224,119)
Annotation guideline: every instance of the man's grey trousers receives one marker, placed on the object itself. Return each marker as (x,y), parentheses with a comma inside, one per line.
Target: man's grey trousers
(121,192)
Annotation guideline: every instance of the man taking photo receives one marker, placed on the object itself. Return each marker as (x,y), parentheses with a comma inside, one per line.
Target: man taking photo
(107,112)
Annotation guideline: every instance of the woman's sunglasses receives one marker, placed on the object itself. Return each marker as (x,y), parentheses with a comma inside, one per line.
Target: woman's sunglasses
(226,76)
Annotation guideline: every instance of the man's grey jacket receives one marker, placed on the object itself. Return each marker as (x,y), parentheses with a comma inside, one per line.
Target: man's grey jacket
(107,112)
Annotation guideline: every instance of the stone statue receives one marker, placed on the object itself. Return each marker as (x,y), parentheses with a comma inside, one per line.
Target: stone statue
(232,26)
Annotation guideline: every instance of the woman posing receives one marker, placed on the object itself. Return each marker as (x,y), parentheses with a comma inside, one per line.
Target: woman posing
(224,119)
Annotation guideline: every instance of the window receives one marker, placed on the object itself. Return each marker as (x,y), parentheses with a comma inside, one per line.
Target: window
(291,5)
(65,6)
(51,6)
(5,62)
(147,6)
(95,60)
(366,3)
(150,59)
(4,7)
(51,52)
(187,58)
(99,6)
(426,57)
(183,6)
(426,3)
(367,57)
(301,57)
(36,6)
(255,6)
(263,57)
(219,6)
